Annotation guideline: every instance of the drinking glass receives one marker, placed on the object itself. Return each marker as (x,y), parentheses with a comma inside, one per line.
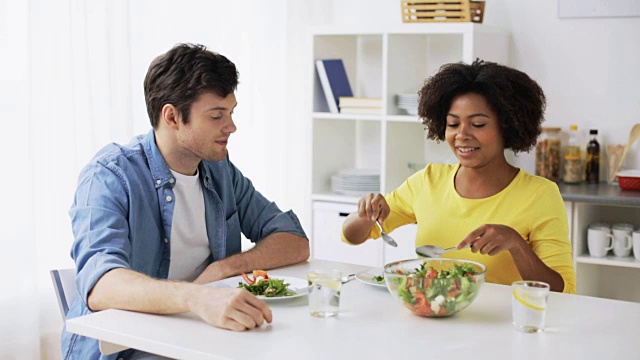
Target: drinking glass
(529,305)
(324,293)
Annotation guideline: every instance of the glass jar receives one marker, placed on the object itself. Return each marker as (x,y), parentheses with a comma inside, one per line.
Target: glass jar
(548,152)
(572,158)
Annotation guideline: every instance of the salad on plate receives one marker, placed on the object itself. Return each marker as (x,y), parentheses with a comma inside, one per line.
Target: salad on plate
(263,285)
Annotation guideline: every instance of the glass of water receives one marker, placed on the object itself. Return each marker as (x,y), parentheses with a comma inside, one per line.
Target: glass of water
(324,293)
(529,305)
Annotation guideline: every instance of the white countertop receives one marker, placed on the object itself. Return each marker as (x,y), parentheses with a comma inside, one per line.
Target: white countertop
(372,325)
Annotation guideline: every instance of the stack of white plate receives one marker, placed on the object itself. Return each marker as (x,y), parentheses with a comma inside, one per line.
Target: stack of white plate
(356,182)
(408,102)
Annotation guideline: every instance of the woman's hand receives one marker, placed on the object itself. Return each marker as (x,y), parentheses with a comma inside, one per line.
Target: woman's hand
(358,225)
(492,238)
(373,207)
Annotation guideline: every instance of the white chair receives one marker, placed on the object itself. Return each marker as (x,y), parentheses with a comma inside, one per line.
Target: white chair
(64,283)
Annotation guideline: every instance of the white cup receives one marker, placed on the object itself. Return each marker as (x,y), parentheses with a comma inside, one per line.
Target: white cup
(600,225)
(622,241)
(599,241)
(622,226)
(636,244)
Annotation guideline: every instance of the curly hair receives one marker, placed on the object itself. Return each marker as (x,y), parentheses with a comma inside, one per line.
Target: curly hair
(517,100)
(182,74)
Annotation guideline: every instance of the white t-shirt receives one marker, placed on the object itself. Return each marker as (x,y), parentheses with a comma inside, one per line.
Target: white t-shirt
(189,242)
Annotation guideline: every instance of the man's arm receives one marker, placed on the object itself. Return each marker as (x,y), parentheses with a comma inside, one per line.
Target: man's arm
(276,250)
(234,309)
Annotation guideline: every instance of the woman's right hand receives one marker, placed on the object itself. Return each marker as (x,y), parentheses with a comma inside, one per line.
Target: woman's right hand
(357,226)
(373,207)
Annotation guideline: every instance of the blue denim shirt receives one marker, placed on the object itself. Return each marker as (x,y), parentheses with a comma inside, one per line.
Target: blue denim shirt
(122,213)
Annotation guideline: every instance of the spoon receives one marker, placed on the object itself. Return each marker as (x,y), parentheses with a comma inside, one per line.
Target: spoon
(388,239)
(432,251)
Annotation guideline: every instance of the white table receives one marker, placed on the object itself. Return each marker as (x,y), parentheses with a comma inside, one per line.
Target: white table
(373,325)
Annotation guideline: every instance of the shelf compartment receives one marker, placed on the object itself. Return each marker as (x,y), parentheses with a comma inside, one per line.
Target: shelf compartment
(407,143)
(362,58)
(589,213)
(339,144)
(414,57)
(612,282)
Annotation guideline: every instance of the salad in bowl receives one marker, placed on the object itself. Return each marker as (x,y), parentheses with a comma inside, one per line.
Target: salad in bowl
(435,287)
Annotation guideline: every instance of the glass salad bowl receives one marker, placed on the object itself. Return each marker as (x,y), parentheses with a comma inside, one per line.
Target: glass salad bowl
(435,287)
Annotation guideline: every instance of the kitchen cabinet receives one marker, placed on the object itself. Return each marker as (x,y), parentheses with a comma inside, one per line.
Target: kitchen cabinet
(327,244)
(381,62)
(610,277)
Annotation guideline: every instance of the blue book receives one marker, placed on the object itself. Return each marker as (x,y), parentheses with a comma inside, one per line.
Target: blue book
(335,83)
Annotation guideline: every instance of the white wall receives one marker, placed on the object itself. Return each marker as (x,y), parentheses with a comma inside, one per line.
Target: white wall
(16,298)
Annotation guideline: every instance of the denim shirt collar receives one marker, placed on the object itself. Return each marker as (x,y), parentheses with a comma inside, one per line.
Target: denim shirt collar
(159,169)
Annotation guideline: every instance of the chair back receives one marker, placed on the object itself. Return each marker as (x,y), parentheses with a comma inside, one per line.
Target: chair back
(64,283)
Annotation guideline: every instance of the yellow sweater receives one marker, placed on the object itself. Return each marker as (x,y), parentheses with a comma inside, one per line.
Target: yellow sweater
(530,204)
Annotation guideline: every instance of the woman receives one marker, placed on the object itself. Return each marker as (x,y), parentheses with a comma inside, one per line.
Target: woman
(516,223)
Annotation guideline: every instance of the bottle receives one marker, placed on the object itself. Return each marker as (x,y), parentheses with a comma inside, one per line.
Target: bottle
(593,158)
(548,152)
(572,158)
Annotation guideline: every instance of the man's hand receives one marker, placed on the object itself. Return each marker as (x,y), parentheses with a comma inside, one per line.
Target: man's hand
(233,309)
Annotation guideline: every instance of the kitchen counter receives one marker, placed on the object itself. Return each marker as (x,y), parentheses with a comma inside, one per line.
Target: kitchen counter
(602,193)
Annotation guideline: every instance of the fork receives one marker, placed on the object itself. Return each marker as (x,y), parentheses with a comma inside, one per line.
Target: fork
(388,239)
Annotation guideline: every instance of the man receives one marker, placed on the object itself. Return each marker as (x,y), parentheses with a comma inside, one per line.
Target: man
(155,219)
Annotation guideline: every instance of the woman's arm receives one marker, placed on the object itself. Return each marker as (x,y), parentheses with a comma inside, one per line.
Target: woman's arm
(358,225)
(493,238)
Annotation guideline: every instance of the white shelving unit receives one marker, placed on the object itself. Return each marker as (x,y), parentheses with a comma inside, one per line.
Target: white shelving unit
(382,62)
(610,277)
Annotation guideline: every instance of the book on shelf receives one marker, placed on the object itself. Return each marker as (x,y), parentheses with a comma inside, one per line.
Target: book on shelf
(354,102)
(334,80)
(361,110)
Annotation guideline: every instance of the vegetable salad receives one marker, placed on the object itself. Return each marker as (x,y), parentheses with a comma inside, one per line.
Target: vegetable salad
(262,284)
(430,292)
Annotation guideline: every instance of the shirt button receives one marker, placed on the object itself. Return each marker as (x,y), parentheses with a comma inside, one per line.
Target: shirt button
(158,182)
(172,180)
(169,198)
(166,241)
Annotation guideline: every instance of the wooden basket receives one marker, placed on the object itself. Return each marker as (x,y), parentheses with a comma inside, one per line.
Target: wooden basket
(442,11)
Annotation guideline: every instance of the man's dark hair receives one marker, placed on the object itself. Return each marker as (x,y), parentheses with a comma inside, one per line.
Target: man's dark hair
(517,100)
(182,74)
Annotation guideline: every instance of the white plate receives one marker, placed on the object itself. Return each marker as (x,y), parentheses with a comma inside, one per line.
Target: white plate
(367,277)
(300,286)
